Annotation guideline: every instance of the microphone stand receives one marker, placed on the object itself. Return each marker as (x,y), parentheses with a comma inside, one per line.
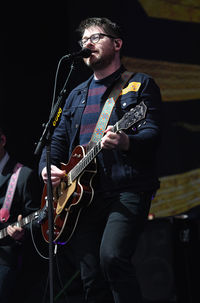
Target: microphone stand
(45,140)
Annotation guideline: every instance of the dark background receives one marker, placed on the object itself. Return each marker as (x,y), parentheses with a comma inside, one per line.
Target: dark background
(35,37)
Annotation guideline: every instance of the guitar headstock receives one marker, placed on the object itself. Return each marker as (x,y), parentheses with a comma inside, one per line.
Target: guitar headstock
(133,116)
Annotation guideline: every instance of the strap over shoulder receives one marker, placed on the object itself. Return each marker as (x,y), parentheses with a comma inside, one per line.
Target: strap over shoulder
(108,107)
(5,210)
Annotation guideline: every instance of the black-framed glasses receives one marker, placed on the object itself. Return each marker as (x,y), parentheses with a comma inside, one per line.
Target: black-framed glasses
(94,38)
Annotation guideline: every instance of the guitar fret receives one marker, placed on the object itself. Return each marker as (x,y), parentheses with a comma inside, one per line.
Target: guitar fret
(24,221)
(27,220)
(3,233)
(83,163)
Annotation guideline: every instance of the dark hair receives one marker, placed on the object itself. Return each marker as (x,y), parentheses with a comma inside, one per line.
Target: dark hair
(109,27)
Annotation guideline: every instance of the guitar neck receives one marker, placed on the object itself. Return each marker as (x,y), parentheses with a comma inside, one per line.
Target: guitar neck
(91,154)
(21,223)
(83,163)
(129,119)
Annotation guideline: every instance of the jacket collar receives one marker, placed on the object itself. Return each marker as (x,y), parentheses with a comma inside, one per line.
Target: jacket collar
(3,162)
(7,171)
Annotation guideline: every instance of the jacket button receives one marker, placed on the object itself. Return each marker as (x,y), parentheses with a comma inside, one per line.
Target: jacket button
(124,104)
(76,125)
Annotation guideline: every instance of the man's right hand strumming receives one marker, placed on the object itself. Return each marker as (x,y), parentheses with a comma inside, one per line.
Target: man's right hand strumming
(56,175)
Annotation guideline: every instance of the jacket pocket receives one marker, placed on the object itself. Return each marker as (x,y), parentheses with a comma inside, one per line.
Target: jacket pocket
(125,104)
(128,102)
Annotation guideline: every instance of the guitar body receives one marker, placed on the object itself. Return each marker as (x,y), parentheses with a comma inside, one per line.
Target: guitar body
(75,191)
(69,199)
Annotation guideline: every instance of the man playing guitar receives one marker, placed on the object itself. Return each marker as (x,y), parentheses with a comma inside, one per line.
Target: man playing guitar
(121,179)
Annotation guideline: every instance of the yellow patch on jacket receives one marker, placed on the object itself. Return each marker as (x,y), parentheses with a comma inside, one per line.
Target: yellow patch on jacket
(133,86)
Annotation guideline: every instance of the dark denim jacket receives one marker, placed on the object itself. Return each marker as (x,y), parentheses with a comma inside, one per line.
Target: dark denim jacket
(134,170)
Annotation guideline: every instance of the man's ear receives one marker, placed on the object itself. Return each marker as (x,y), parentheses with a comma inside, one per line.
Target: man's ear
(118,44)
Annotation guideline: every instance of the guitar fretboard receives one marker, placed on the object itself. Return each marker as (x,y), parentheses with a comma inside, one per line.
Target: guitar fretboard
(129,119)
(83,163)
(23,222)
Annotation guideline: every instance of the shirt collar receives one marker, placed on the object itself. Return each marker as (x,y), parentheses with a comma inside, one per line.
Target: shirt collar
(111,78)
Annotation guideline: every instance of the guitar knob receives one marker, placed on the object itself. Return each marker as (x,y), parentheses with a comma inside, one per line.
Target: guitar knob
(134,129)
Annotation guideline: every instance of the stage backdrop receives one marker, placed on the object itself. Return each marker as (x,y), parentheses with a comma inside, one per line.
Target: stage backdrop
(161,39)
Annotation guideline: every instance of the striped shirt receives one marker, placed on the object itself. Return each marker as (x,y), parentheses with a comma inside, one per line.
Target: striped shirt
(92,110)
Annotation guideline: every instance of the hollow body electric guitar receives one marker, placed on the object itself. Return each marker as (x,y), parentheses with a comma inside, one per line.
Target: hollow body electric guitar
(75,190)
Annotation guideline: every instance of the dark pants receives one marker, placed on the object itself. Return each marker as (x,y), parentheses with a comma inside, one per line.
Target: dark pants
(104,242)
(7,282)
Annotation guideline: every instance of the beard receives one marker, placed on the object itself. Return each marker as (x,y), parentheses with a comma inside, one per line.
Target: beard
(101,62)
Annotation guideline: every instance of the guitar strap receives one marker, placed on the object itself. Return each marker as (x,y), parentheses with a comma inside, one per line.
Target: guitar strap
(5,210)
(107,109)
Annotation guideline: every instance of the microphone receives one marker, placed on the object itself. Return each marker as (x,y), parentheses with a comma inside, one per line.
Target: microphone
(83,53)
